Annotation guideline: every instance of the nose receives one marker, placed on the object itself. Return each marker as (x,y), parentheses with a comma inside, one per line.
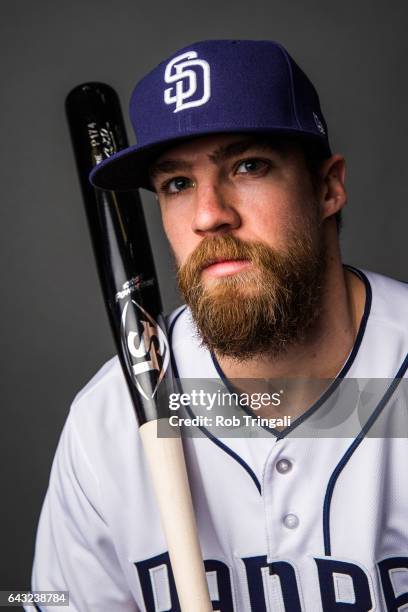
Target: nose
(214,212)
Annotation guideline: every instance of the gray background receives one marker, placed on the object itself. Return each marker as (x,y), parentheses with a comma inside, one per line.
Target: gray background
(55,334)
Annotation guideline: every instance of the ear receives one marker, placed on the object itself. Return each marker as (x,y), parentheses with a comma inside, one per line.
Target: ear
(333,196)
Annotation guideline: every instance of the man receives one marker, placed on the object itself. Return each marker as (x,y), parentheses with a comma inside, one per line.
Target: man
(307,516)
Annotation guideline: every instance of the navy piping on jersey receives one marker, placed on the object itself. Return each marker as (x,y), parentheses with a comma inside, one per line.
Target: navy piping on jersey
(336,382)
(209,435)
(347,455)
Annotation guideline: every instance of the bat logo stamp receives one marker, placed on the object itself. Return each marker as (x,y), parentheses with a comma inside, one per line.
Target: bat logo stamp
(102,140)
(190,79)
(147,347)
(134,284)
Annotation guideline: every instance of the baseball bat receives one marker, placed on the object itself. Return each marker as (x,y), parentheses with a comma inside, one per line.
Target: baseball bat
(131,294)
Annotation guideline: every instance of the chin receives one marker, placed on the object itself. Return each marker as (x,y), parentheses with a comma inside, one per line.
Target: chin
(246,283)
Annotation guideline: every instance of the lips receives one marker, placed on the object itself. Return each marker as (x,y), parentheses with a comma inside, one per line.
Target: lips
(224,267)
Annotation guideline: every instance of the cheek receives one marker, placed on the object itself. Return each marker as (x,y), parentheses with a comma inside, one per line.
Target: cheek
(271,214)
(274,217)
(178,232)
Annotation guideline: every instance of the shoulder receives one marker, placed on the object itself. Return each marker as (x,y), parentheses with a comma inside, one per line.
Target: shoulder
(106,391)
(382,342)
(107,373)
(102,419)
(104,406)
(389,298)
(105,403)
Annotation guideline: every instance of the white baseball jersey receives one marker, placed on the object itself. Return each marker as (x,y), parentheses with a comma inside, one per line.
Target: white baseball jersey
(287,522)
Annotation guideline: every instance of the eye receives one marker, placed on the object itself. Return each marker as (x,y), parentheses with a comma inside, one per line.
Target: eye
(176,185)
(253,166)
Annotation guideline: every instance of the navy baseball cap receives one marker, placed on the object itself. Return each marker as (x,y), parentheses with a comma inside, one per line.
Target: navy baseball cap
(214,86)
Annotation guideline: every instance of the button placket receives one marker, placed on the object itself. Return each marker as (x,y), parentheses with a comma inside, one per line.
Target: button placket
(280,477)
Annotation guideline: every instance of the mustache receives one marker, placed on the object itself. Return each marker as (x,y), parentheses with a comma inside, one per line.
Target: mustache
(225,247)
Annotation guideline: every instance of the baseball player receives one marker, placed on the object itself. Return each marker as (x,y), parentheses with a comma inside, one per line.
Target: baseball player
(308,513)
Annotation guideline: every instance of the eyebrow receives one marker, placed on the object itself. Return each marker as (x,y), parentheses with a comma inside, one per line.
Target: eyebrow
(223,153)
(168,166)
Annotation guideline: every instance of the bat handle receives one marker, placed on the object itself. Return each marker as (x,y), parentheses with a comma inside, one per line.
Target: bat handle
(165,457)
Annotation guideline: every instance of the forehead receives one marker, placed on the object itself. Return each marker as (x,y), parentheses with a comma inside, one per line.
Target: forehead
(204,143)
(220,146)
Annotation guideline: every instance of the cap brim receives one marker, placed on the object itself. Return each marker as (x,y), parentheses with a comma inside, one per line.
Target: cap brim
(129,168)
(126,170)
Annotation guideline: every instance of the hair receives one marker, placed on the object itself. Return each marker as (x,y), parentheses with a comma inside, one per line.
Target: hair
(315,155)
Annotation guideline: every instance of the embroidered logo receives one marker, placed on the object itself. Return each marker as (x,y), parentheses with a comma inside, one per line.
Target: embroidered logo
(190,79)
(319,124)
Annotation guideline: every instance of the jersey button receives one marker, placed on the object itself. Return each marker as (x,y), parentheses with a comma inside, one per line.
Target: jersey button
(283,466)
(291,521)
